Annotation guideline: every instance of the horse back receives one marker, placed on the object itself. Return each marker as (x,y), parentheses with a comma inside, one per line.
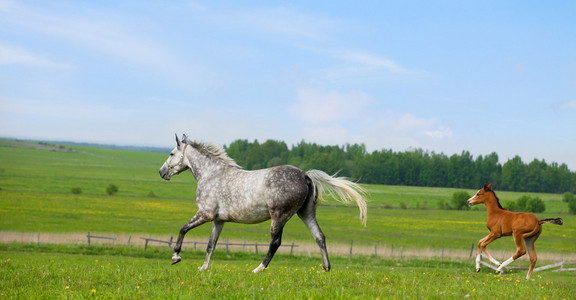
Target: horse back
(507,222)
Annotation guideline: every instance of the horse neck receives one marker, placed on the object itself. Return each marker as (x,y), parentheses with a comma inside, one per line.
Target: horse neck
(492,205)
(201,164)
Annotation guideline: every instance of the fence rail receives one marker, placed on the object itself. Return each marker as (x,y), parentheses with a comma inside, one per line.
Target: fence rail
(89,236)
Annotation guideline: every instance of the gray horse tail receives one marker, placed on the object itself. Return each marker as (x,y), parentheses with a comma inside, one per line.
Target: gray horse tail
(341,189)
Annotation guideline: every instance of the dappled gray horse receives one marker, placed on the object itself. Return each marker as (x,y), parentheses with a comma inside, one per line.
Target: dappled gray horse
(227,193)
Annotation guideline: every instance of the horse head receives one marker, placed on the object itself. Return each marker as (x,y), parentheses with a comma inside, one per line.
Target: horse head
(481,196)
(175,165)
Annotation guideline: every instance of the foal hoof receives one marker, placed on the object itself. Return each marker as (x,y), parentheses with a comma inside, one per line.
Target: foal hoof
(176,259)
(477,270)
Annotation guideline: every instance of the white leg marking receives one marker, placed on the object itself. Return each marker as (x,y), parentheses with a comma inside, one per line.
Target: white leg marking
(478,260)
(259,269)
(507,262)
(203,267)
(494,261)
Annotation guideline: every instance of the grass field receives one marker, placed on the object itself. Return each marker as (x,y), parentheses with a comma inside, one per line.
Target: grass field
(27,272)
(35,197)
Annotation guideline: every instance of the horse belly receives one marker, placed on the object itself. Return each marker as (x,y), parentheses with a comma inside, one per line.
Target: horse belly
(249,212)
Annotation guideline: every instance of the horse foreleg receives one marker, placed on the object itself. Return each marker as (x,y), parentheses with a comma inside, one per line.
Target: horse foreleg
(196,221)
(482,244)
(216,229)
(276,229)
(520,250)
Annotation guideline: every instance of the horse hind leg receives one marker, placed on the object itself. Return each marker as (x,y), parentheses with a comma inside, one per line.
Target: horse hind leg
(520,251)
(214,235)
(531,252)
(308,215)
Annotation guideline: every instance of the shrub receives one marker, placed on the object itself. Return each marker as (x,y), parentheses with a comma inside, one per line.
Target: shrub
(76,190)
(459,200)
(536,205)
(527,204)
(111,189)
(568,197)
(572,206)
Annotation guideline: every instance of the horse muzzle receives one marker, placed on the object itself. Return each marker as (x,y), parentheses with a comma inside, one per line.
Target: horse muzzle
(165,173)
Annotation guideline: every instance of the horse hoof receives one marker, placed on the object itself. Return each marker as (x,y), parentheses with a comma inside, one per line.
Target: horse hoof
(477,270)
(176,260)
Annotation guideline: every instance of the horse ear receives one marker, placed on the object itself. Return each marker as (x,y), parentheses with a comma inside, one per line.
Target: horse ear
(177,140)
(490,186)
(184,138)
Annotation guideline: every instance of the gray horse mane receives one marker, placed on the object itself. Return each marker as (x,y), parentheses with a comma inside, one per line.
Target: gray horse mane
(215,151)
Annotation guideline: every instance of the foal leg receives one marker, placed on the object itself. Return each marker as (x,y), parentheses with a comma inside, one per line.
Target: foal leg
(308,216)
(197,220)
(216,229)
(482,244)
(520,250)
(531,252)
(276,229)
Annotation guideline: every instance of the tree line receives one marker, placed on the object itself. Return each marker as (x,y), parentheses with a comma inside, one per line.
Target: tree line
(415,167)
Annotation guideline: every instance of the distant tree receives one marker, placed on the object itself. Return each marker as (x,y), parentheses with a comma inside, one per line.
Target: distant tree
(76,190)
(459,200)
(111,189)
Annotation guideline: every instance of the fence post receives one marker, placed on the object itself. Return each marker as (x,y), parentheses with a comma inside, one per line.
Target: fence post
(471,250)
(226,246)
(350,254)
(292,249)
(256,247)
(392,251)
(146,245)
(38,241)
(170,242)
(129,238)
(442,256)
(88,238)
(401,248)
(375,252)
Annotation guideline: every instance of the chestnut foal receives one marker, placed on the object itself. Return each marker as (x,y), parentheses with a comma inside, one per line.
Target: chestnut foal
(524,227)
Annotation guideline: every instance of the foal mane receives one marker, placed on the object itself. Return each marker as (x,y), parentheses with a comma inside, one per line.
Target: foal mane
(497,199)
(214,150)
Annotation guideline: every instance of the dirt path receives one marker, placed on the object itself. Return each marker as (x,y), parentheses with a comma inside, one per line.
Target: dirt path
(309,249)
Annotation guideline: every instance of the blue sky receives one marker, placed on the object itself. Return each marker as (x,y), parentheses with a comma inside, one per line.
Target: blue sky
(445,76)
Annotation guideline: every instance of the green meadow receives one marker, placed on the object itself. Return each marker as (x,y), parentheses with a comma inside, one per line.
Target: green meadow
(65,272)
(36,183)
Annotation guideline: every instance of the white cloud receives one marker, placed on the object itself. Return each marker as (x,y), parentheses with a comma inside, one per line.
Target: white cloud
(17,55)
(373,61)
(569,105)
(316,105)
(283,21)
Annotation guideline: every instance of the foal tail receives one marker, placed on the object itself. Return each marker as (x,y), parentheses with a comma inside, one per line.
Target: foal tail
(557,221)
(341,189)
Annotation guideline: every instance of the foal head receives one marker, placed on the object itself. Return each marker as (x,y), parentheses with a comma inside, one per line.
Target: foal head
(175,165)
(484,194)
